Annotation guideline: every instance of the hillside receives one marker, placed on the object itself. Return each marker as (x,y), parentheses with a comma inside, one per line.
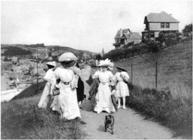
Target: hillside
(19,61)
(40,50)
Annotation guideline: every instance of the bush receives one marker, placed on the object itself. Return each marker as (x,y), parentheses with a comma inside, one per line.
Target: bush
(187,31)
(153,46)
(176,114)
(168,38)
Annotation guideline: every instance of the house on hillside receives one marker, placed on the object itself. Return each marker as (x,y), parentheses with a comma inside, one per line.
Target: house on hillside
(159,22)
(124,37)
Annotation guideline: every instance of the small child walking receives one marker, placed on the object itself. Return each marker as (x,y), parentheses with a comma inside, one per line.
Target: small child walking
(122,90)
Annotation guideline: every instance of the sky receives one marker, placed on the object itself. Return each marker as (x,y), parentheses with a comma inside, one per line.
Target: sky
(84,24)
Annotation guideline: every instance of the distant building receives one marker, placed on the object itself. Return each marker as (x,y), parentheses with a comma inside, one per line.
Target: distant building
(125,37)
(159,22)
(14,60)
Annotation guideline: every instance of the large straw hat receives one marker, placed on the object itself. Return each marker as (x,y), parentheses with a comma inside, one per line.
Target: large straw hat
(52,63)
(67,56)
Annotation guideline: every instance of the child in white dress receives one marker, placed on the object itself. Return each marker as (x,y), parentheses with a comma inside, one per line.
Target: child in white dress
(122,90)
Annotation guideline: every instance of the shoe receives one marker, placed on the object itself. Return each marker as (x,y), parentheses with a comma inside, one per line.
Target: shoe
(124,107)
(119,106)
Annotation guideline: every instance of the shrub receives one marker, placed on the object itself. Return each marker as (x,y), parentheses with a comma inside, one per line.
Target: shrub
(22,119)
(153,46)
(168,38)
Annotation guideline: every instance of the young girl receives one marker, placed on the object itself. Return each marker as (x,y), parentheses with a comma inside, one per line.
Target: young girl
(49,78)
(122,90)
(103,96)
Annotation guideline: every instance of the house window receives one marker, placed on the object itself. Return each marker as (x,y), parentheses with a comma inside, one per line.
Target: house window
(167,25)
(162,25)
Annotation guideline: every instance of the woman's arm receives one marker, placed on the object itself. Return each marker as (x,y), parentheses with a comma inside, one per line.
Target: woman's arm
(125,76)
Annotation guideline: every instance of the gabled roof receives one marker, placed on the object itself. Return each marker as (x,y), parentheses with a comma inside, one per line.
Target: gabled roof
(160,17)
(126,33)
(122,32)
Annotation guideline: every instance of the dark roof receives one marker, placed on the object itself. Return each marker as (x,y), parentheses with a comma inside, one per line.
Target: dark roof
(160,17)
(122,32)
(128,34)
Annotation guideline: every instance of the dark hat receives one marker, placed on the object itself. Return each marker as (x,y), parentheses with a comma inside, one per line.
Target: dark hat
(121,69)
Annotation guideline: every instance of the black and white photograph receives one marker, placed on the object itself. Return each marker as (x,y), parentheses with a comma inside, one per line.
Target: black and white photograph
(96,69)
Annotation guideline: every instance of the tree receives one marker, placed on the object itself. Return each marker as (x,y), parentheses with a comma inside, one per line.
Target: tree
(187,31)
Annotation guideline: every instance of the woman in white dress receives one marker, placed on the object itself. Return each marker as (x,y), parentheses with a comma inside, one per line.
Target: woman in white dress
(50,79)
(103,96)
(122,90)
(67,87)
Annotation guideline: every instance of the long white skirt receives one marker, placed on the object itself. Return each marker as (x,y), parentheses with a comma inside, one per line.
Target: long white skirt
(122,89)
(68,103)
(103,97)
(45,96)
(55,106)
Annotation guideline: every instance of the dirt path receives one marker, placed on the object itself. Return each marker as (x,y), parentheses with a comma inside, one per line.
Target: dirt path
(128,124)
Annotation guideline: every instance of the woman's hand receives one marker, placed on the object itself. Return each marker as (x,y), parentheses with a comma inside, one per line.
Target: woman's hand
(73,85)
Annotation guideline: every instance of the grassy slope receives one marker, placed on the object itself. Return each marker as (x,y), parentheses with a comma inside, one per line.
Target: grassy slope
(176,114)
(21,118)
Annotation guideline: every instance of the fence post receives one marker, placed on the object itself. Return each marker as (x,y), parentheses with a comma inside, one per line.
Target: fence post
(156,74)
(131,72)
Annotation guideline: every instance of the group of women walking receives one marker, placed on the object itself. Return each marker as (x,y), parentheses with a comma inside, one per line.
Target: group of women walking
(66,88)
(108,85)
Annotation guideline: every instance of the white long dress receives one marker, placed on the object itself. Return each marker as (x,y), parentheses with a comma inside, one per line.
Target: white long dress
(50,78)
(68,97)
(122,89)
(103,96)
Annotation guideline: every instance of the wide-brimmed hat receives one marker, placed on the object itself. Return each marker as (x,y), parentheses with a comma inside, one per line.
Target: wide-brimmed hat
(52,63)
(67,56)
(105,63)
(120,68)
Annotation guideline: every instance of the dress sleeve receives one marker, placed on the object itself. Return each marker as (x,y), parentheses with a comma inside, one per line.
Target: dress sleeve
(76,70)
(96,75)
(125,76)
(115,77)
(48,76)
(74,82)
(56,77)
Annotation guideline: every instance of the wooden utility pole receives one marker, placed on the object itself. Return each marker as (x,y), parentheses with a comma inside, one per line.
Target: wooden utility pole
(132,68)
(37,67)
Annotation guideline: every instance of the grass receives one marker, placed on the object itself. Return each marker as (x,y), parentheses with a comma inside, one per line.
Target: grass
(22,119)
(31,90)
(175,114)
